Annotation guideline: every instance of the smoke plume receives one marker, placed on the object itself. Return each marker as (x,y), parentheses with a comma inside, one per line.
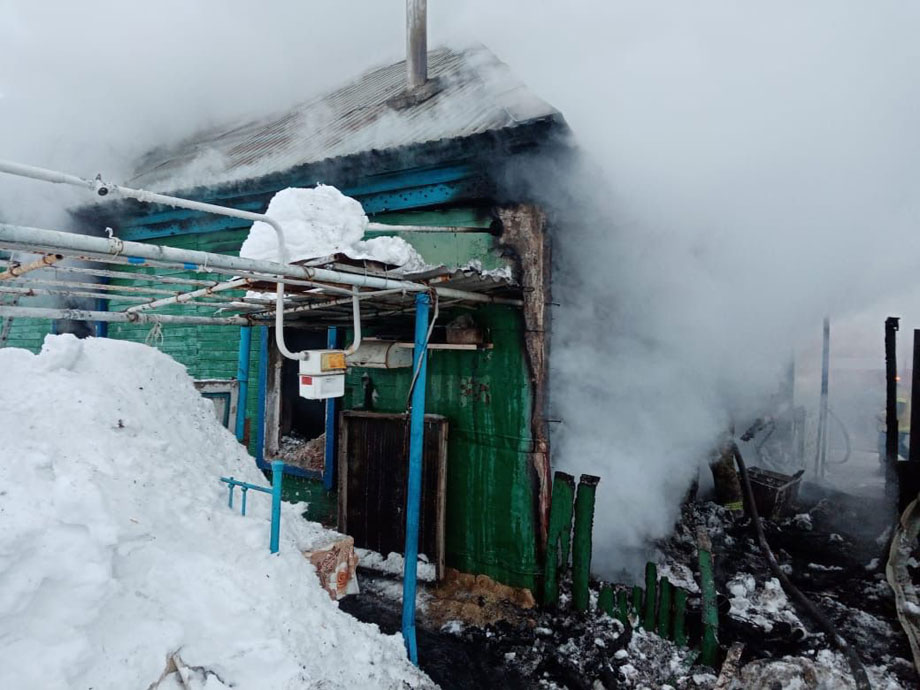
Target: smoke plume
(747,169)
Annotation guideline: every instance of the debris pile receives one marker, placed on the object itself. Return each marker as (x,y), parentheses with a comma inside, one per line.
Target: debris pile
(774,644)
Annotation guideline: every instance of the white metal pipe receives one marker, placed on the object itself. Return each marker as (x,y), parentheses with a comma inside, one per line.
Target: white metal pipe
(356,318)
(189,296)
(313,306)
(96,247)
(104,189)
(45,175)
(133,277)
(104,287)
(118,316)
(383,227)
(33,291)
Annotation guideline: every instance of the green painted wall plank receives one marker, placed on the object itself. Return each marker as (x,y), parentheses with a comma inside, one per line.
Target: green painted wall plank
(487,399)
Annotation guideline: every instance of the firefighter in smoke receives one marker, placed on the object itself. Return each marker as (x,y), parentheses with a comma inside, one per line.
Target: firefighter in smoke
(903,410)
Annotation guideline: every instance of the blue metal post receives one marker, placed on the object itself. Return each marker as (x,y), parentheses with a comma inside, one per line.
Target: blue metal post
(331,410)
(414,493)
(242,375)
(101,328)
(263,390)
(277,479)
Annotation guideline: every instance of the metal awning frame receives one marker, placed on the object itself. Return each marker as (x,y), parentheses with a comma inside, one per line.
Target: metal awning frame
(302,292)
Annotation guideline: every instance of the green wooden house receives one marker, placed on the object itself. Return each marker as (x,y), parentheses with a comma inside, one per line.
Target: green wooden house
(445,156)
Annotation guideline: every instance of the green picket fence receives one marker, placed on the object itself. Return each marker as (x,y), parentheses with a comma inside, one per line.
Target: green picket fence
(659,607)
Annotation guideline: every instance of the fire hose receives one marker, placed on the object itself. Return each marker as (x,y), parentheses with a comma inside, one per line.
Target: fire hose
(810,608)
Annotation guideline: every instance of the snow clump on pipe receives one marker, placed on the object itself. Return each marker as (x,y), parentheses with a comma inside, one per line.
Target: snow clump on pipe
(320,222)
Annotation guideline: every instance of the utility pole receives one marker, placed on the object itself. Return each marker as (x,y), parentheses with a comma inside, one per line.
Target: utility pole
(821,453)
(891,406)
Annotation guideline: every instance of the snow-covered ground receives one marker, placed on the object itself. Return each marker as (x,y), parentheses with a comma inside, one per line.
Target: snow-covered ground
(118,551)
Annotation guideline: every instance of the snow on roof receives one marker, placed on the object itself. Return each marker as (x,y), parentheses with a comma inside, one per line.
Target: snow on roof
(119,549)
(474,92)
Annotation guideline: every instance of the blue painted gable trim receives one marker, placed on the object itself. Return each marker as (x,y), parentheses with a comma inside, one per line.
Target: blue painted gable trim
(405,190)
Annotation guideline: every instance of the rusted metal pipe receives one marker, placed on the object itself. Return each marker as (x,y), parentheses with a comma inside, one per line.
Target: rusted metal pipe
(16,270)
(189,296)
(416,43)
(117,316)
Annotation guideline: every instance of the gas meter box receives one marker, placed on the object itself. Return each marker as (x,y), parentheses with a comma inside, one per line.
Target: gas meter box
(322,375)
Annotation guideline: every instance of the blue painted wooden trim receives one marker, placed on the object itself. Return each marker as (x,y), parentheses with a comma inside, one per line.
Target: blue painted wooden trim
(242,375)
(414,489)
(332,406)
(401,199)
(263,390)
(386,182)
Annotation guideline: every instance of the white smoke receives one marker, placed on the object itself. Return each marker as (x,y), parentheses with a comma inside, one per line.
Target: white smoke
(761,165)
(89,87)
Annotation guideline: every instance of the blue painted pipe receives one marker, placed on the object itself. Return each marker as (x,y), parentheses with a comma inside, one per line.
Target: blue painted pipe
(263,390)
(242,375)
(101,328)
(246,485)
(331,409)
(277,479)
(413,499)
(275,491)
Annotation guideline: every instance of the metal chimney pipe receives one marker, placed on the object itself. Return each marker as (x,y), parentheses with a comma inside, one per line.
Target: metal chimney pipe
(416,42)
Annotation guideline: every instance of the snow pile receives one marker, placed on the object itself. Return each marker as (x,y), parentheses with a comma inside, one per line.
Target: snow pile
(827,670)
(118,551)
(320,222)
(394,564)
(763,608)
(679,575)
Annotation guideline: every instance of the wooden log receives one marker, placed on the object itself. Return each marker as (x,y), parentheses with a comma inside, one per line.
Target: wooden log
(730,667)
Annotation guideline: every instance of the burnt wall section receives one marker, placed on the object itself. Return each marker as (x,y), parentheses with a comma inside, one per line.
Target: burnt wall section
(524,234)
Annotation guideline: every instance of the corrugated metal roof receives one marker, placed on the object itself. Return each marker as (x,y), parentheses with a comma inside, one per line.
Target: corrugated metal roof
(474,93)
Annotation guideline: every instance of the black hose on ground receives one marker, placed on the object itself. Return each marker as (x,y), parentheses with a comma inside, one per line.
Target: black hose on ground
(856,666)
